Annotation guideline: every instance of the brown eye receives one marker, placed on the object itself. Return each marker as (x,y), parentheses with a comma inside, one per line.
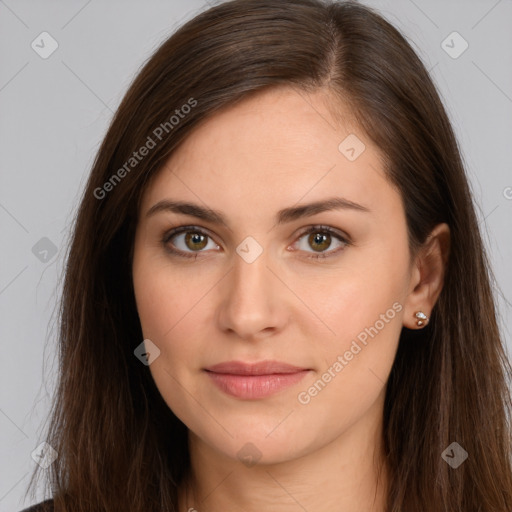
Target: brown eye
(188,242)
(195,241)
(319,240)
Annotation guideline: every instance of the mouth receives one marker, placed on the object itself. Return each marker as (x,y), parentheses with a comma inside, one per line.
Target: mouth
(252,381)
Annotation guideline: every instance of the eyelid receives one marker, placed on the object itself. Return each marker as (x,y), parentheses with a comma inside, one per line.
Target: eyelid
(180,229)
(321,228)
(184,229)
(340,235)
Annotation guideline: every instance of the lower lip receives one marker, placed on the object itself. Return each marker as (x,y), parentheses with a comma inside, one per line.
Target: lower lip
(252,387)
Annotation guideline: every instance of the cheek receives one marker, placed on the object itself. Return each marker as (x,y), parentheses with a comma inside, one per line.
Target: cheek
(362,304)
(158,304)
(172,307)
(354,365)
(353,296)
(165,304)
(153,302)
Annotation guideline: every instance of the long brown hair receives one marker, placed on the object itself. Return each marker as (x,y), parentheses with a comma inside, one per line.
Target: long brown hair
(120,447)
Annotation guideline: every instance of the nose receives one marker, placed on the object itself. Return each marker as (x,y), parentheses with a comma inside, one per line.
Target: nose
(253,303)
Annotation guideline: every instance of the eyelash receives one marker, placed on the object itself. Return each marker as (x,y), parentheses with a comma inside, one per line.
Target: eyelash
(312,229)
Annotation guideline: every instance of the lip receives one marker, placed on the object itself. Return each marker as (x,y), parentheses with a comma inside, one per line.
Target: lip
(252,381)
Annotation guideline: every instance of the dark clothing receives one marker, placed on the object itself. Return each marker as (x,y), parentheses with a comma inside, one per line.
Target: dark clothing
(44,506)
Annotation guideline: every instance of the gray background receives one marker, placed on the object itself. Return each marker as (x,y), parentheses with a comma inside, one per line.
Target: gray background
(54,114)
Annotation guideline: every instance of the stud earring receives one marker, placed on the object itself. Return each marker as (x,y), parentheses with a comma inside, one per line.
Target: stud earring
(422,319)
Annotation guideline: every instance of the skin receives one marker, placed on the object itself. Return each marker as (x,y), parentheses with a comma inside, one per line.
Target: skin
(276,149)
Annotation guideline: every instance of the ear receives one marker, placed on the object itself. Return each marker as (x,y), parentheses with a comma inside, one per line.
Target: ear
(427,276)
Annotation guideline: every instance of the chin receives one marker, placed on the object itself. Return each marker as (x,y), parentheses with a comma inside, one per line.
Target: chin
(258,441)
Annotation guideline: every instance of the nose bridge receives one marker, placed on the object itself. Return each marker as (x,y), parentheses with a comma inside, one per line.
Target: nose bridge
(250,278)
(250,303)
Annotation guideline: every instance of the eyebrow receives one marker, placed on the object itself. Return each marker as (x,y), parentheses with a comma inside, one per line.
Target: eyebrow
(283,216)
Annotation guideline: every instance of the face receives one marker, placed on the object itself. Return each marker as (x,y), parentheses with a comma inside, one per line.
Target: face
(314,294)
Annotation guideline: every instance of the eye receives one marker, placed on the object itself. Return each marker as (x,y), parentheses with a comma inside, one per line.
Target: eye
(321,238)
(187,240)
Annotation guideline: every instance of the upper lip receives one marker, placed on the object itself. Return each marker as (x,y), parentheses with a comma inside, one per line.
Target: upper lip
(260,368)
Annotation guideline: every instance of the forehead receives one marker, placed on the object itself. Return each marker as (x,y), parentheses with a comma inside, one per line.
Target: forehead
(273,149)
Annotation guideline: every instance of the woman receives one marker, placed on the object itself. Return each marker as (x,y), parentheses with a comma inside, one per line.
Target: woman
(277,294)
